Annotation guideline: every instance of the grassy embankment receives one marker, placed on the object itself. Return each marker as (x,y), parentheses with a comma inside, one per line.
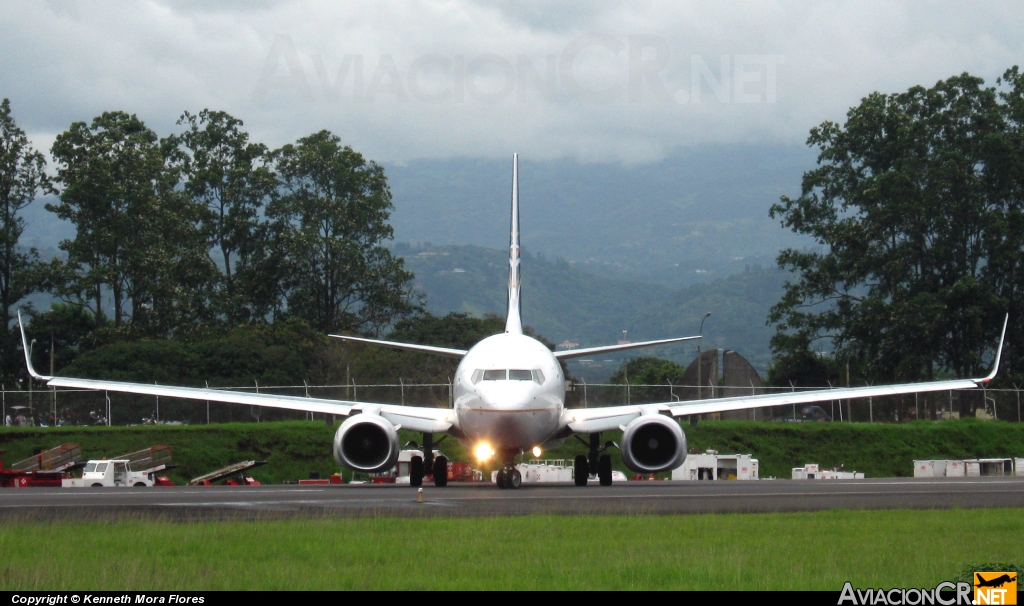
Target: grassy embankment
(819,550)
(296,448)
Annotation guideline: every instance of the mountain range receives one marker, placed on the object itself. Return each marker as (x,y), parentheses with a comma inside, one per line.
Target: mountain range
(566,303)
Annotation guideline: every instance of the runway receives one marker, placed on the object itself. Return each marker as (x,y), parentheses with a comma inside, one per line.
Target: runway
(467,500)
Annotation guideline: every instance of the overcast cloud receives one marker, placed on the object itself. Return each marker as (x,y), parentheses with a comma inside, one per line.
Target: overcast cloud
(586,80)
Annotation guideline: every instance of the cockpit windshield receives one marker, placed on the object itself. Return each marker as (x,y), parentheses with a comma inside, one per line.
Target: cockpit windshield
(508,375)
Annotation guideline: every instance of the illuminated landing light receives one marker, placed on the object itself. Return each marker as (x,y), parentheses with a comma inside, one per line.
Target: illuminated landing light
(483,451)
(536,452)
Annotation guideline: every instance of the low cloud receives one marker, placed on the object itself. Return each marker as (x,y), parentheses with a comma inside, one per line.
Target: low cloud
(626,82)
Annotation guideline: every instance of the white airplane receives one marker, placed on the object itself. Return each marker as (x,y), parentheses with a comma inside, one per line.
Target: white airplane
(509,398)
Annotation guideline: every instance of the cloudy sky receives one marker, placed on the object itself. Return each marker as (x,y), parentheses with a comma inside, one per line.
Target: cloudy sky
(592,81)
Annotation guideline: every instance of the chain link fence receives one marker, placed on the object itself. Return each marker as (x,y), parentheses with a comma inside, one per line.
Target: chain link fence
(51,407)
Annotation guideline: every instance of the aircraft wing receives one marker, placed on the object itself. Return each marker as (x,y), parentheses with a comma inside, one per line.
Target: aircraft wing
(579,353)
(442,351)
(415,418)
(590,420)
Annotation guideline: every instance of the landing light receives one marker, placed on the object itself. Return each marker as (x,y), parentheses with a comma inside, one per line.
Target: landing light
(483,451)
(536,452)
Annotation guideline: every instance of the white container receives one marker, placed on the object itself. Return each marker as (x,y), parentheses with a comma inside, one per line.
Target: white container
(713,466)
(955,469)
(924,469)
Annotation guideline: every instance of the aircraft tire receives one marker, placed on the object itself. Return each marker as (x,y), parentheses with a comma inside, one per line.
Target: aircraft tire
(604,470)
(441,471)
(515,479)
(581,469)
(416,471)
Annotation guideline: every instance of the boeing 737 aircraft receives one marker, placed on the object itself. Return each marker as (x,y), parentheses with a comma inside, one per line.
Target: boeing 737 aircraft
(509,398)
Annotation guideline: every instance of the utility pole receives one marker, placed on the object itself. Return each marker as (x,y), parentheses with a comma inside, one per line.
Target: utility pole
(31,411)
(53,390)
(700,359)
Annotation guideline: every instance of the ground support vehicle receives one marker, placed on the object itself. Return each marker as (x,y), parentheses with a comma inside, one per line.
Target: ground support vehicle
(137,468)
(116,472)
(234,475)
(47,468)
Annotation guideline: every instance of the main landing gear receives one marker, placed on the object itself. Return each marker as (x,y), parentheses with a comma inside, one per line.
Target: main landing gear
(419,466)
(594,463)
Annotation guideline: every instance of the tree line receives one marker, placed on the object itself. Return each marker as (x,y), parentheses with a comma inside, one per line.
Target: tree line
(202,228)
(917,207)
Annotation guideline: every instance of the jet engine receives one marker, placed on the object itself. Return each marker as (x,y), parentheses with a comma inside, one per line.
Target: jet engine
(366,442)
(653,443)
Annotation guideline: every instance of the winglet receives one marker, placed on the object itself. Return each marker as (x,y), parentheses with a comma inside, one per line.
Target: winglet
(999,353)
(28,359)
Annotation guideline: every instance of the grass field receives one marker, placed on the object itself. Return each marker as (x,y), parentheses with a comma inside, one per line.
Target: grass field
(818,550)
(296,448)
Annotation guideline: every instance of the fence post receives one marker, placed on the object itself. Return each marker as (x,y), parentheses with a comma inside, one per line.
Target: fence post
(792,388)
(306,386)
(106,394)
(207,405)
(1017,389)
(401,382)
(585,393)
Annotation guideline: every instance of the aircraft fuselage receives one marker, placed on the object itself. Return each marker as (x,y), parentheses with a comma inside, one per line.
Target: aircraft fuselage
(509,392)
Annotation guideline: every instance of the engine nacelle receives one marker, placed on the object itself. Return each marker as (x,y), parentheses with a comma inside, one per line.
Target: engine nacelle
(367,443)
(653,443)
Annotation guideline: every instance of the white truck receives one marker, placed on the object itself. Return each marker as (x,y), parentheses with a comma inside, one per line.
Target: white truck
(115,472)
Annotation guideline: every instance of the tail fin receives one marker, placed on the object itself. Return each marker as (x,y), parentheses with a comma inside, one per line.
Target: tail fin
(514,322)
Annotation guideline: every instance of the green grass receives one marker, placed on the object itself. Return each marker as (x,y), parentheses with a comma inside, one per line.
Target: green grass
(819,550)
(295,448)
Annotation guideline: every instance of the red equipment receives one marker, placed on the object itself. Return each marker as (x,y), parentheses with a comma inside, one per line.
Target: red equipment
(47,468)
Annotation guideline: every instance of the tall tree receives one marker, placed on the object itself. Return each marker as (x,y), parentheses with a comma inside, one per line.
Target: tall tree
(232,180)
(136,235)
(906,204)
(336,206)
(22,178)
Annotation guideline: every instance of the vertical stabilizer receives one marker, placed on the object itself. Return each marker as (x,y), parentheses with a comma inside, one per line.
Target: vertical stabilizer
(514,322)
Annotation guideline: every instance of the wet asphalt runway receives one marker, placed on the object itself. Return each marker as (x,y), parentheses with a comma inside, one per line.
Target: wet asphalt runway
(464,500)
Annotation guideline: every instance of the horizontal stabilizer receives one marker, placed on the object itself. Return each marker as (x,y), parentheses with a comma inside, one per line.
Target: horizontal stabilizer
(579,353)
(441,351)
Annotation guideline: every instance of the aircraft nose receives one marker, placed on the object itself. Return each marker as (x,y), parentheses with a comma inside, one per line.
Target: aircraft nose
(505,396)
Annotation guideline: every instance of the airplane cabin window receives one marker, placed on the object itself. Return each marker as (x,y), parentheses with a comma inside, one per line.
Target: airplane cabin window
(538,377)
(494,375)
(520,375)
(477,375)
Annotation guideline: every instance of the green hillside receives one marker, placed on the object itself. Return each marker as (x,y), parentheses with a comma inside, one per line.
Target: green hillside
(562,301)
(696,215)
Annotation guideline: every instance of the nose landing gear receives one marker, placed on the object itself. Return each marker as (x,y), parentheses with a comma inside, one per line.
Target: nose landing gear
(508,475)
